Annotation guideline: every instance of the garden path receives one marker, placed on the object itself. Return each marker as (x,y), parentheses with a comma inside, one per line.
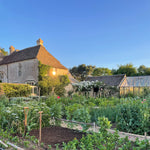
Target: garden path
(131,137)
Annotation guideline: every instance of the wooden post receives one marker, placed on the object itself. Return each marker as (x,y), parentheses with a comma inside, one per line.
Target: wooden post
(40,112)
(139,90)
(26,109)
(39,91)
(94,127)
(145,134)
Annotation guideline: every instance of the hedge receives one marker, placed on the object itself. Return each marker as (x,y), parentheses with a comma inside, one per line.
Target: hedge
(15,90)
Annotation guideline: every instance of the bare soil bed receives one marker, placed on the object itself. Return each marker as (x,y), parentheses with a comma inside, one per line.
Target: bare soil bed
(56,135)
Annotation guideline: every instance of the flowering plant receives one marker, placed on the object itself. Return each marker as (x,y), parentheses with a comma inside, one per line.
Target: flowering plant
(88,85)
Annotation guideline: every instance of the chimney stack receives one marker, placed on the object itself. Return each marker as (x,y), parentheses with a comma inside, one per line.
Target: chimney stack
(11,49)
(39,42)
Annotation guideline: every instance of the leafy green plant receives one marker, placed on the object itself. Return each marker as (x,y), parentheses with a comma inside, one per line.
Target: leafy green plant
(16,90)
(56,112)
(43,70)
(104,124)
(12,116)
(60,90)
(133,117)
(104,141)
(49,147)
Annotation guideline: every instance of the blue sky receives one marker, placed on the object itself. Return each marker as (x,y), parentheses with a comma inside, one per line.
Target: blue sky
(104,33)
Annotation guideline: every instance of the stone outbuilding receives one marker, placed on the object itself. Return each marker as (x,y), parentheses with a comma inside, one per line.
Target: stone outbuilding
(126,85)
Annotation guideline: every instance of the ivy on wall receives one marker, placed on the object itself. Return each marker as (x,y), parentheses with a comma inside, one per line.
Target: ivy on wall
(43,70)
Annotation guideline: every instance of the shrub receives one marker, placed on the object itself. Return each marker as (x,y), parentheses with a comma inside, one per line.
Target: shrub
(146,91)
(16,90)
(45,88)
(70,93)
(60,90)
(71,109)
(51,100)
(64,80)
(108,111)
(133,117)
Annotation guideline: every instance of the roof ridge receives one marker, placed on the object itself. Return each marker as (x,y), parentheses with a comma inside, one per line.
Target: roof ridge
(138,76)
(27,48)
(107,75)
(25,54)
(35,52)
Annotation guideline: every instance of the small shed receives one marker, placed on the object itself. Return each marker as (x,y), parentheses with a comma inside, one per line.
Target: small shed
(111,80)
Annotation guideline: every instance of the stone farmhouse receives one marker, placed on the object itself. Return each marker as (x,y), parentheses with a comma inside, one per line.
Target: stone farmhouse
(21,66)
(134,85)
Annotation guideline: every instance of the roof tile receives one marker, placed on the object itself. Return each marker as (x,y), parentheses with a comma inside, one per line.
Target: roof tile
(112,80)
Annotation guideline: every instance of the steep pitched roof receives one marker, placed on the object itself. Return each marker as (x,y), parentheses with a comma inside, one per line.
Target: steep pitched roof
(25,54)
(137,81)
(38,52)
(112,80)
(46,58)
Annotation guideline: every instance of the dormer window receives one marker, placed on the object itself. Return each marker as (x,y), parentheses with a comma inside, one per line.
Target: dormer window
(19,69)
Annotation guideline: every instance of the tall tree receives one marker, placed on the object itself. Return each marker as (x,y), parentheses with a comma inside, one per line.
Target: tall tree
(5,53)
(127,69)
(142,70)
(114,71)
(80,72)
(147,71)
(89,69)
(101,72)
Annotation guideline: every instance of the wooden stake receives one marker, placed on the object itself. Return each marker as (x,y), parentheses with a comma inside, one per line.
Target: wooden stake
(40,112)
(39,92)
(26,109)
(94,127)
(145,136)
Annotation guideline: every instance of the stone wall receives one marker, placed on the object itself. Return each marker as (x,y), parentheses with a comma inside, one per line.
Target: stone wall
(3,73)
(58,71)
(20,72)
(24,71)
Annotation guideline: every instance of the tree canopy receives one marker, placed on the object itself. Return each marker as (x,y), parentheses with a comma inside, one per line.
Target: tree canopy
(127,69)
(82,71)
(5,53)
(101,72)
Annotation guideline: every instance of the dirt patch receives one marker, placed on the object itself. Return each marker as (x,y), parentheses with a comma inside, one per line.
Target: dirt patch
(56,135)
